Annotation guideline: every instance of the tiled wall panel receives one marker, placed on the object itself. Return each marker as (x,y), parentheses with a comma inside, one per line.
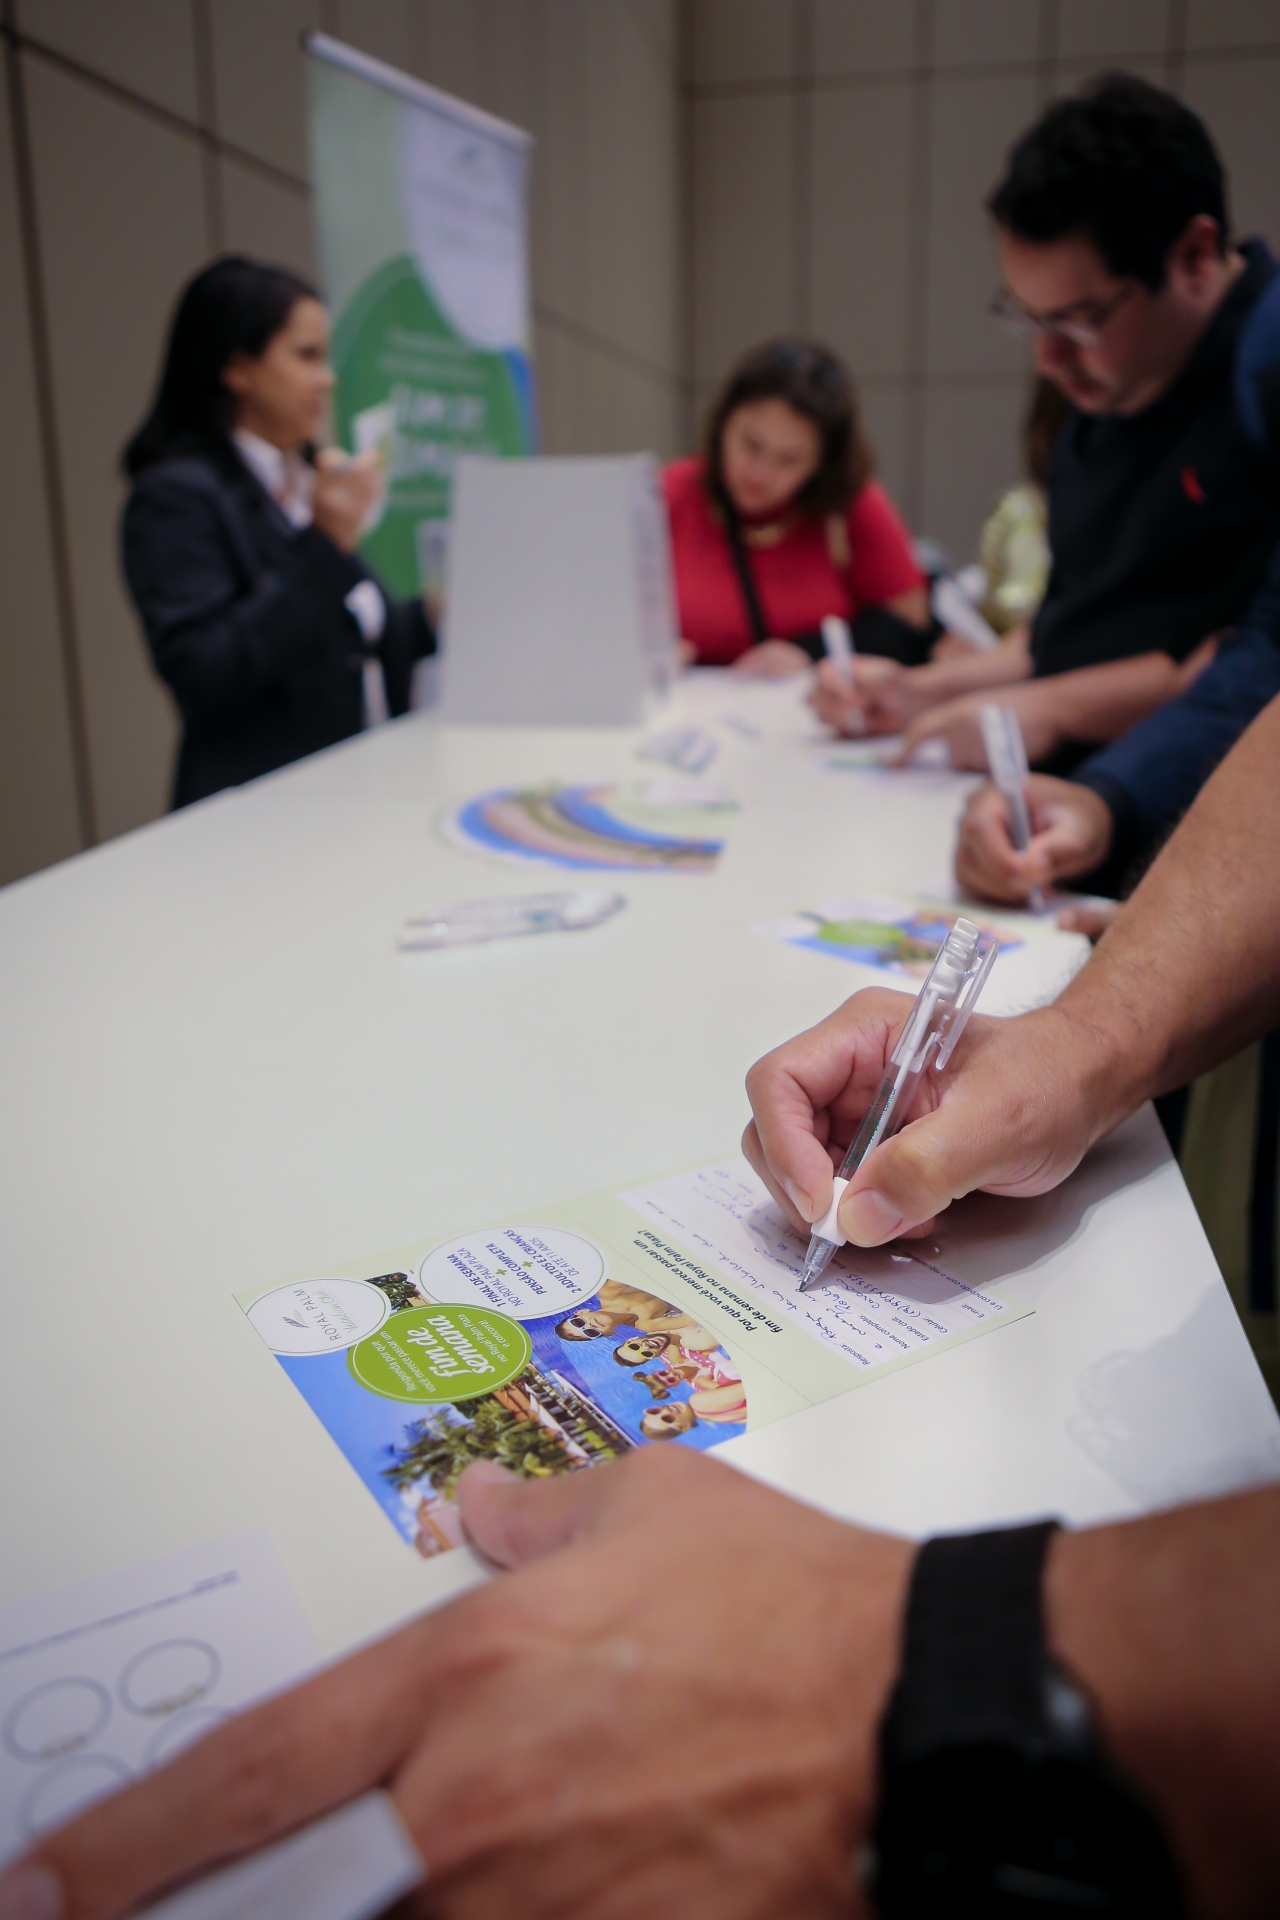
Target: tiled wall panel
(743,230)
(121,216)
(39,817)
(146,46)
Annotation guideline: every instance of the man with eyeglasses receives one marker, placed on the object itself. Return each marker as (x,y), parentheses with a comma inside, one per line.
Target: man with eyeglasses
(1112,233)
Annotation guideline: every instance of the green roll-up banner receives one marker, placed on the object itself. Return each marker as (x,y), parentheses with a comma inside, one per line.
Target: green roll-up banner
(421,215)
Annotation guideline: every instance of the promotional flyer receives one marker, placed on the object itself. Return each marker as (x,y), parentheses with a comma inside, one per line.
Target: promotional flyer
(667,1314)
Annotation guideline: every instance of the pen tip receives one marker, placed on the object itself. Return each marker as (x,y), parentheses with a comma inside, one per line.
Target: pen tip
(815,1262)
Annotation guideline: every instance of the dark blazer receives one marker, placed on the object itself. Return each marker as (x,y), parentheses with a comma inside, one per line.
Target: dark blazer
(245,620)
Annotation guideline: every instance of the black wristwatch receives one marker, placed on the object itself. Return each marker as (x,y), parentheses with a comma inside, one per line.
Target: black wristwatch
(995,1798)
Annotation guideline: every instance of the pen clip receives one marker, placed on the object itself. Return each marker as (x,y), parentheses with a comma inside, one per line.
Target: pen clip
(974,981)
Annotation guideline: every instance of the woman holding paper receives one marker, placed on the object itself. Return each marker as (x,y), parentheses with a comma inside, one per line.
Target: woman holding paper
(239,538)
(779,524)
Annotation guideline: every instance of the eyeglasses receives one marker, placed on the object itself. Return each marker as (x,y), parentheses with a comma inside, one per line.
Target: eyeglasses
(1081,332)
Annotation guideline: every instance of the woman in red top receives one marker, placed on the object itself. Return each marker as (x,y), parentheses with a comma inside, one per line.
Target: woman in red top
(779,523)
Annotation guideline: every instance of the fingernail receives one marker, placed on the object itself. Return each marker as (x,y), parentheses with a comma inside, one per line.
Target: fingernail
(31,1893)
(803,1206)
(866,1218)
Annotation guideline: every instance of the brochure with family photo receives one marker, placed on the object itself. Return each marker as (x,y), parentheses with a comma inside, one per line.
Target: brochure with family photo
(666,1314)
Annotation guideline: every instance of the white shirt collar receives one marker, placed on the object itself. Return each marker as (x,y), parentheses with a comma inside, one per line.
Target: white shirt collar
(285,476)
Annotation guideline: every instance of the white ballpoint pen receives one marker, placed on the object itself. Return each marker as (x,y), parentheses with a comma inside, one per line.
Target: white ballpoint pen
(937,1020)
(1007,759)
(837,641)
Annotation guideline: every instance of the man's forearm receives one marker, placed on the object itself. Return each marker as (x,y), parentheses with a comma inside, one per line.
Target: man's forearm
(950,679)
(1188,974)
(1100,703)
(1170,1623)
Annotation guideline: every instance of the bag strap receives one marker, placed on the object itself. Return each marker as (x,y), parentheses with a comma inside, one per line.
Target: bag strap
(742,567)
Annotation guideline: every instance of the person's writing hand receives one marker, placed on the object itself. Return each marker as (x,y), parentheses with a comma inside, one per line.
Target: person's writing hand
(773,660)
(1071,828)
(1013,1114)
(347,488)
(880,697)
(609,1730)
(959,724)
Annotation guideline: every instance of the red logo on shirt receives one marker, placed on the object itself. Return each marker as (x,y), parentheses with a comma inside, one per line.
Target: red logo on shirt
(1191,486)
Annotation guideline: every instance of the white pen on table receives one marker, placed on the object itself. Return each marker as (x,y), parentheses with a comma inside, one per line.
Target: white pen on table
(1007,760)
(936,1021)
(837,639)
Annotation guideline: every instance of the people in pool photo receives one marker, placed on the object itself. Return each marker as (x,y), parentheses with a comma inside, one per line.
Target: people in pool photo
(721,1406)
(641,1347)
(694,1358)
(680,1365)
(668,1422)
(622,1306)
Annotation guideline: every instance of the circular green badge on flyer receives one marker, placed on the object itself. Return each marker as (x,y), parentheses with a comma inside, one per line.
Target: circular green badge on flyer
(439,1353)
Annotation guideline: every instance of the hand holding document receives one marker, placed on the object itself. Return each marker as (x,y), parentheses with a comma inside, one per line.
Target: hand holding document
(348,1865)
(520,1733)
(99,1683)
(103,1684)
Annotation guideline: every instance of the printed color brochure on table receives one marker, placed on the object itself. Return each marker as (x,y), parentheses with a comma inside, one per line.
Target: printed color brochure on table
(653,826)
(899,937)
(666,1314)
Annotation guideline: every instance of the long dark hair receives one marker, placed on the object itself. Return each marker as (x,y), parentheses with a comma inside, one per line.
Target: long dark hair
(234,306)
(815,385)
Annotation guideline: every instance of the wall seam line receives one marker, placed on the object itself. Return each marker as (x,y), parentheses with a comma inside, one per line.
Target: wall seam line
(873,77)
(802,165)
(46,413)
(917,267)
(207,108)
(687,162)
(601,343)
(162,116)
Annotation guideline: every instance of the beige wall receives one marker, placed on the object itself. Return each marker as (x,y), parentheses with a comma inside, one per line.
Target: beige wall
(841,152)
(151,134)
(707,172)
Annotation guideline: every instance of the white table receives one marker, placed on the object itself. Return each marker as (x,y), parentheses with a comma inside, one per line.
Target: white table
(218,1071)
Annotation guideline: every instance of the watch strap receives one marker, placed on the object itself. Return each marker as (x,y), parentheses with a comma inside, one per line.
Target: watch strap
(974,1665)
(994,1795)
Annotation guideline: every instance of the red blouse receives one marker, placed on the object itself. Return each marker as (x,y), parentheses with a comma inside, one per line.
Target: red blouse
(797,580)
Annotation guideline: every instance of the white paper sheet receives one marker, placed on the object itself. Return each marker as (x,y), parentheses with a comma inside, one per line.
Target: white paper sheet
(101,1682)
(877,1305)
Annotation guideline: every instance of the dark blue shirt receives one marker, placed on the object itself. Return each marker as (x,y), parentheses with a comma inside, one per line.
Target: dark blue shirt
(1150,776)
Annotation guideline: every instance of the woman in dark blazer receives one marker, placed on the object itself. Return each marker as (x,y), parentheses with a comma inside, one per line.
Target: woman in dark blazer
(239,542)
